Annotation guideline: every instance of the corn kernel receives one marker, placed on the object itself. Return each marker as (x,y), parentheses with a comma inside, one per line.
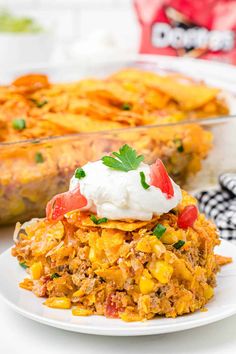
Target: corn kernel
(78,293)
(169,238)
(146,285)
(79,311)
(181,271)
(144,245)
(208,292)
(161,270)
(92,256)
(58,302)
(157,246)
(91,298)
(170,257)
(180,307)
(36,270)
(151,244)
(183,304)
(130,317)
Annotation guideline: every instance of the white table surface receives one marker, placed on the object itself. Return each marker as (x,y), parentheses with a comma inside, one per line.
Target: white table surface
(21,335)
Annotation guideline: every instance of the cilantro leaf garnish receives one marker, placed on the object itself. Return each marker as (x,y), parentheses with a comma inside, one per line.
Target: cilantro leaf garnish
(80,173)
(126,159)
(111,162)
(159,230)
(98,221)
(143,180)
(179,244)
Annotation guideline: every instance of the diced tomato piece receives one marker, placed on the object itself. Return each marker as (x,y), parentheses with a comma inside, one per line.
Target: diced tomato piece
(62,203)
(111,308)
(160,178)
(187,217)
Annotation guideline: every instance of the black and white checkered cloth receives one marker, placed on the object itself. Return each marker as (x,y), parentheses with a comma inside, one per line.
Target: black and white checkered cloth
(220,205)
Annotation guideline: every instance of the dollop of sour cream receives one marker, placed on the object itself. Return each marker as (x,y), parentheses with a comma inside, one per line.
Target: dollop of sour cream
(120,195)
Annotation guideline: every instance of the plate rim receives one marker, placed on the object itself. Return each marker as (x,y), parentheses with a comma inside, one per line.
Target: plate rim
(122,331)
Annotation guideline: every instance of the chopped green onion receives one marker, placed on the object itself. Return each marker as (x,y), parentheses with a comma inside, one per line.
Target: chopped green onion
(180,148)
(38,103)
(55,275)
(159,230)
(143,180)
(126,107)
(79,173)
(39,157)
(41,104)
(179,144)
(23,265)
(98,221)
(179,244)
(19,124)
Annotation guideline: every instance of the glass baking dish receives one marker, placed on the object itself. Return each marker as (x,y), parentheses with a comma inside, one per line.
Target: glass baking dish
(195,152)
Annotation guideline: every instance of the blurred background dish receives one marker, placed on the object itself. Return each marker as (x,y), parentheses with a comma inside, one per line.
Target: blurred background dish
(23,41)
(12,24)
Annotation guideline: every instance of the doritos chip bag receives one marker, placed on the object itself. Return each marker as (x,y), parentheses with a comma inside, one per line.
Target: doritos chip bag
(192,28)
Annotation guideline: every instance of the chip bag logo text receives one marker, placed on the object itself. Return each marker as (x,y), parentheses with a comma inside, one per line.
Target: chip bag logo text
(163,35)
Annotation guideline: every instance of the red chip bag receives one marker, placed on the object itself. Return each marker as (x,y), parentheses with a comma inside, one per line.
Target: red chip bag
(191,28)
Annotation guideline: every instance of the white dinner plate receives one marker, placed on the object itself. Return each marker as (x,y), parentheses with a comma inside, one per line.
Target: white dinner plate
(26,303)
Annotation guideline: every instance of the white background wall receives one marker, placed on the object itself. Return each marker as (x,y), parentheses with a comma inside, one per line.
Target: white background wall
(79,25)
